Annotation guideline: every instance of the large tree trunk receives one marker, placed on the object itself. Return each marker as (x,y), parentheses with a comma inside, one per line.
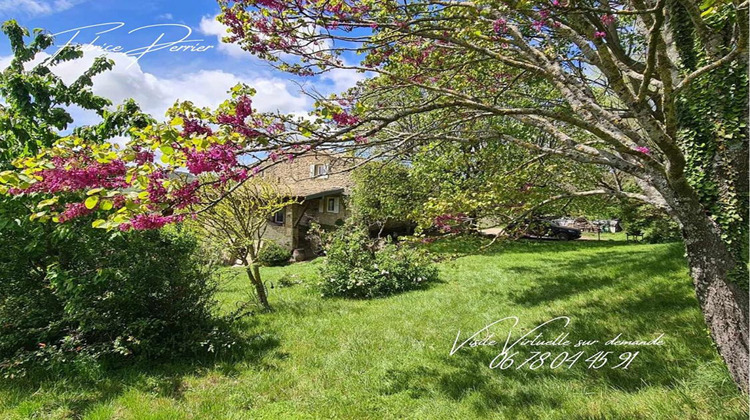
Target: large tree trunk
(724,303)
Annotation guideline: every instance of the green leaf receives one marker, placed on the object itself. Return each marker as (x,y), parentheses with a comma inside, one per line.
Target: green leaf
(91,202)
(48,202)
(167,150)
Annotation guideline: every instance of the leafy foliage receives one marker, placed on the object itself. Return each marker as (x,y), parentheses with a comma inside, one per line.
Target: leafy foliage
(653,224)
(82,297)
(71,295)
(355,267)
(386,192)
(272,254)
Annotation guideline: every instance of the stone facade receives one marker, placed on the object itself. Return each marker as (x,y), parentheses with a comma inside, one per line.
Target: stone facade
(322,184)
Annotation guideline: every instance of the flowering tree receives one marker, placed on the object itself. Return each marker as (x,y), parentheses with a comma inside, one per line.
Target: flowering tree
(655,90)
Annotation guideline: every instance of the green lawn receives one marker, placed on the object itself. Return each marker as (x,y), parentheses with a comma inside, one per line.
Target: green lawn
(389,358)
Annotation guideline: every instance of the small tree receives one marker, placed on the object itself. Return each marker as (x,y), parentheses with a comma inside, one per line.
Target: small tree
(240,220)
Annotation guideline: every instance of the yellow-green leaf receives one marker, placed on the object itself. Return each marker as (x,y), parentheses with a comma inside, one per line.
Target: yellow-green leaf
(91,202)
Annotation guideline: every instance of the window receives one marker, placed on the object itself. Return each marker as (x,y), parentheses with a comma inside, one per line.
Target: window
(333,205)
(318,170)
(279,217)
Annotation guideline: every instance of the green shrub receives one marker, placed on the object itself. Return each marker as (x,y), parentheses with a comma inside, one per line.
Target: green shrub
(356,268)
(652,223)
(661,231)
(73,296)
(273,254)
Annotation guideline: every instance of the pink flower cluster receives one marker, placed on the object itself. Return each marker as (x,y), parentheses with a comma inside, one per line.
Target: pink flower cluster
(82,174)
(186,195)
(217,158)
(600,35)
(242,110)
(150,221)
(156,191)
(343,119)
(643,149)
(144,156)
(499,25)
(449,222)
(607,19)
(193,126)
(73,211)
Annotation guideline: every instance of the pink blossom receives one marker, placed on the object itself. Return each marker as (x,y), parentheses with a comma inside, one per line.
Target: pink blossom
(150,221)
(186,195)
(242,110)
(644,150)
(156,191)
(343,119)
(600,34)
(144,156)
(74,211)
(73,174)
(192,126)
(499,25)
(449,222)
(607,19)
(217,158)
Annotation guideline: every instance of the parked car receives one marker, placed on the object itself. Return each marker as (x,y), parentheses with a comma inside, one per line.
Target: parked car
(540,228)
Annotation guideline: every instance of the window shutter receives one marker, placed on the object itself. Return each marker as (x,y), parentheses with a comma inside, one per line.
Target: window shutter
(312,171)
(321,205)
(336,205)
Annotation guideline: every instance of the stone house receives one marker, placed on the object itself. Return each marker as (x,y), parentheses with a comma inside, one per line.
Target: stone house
(321,183)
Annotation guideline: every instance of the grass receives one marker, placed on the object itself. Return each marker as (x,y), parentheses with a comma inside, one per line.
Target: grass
(389,358)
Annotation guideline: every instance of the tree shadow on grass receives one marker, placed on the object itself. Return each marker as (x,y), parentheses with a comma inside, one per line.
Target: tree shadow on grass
(470,244)
(79,390)
(637,294)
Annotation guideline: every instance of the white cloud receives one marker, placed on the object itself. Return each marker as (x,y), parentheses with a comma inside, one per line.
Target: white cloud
(37,7)
(165,16)
(210,26)
(342,79)
(156,94)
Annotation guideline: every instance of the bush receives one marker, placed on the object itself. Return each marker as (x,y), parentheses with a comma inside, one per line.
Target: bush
(273,254)
(356,268)
(652,223)
(73,296)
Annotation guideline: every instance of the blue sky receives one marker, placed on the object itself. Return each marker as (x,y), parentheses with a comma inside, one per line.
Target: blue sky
(158,78)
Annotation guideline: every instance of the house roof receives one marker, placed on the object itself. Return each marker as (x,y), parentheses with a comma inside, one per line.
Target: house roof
(324,193)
